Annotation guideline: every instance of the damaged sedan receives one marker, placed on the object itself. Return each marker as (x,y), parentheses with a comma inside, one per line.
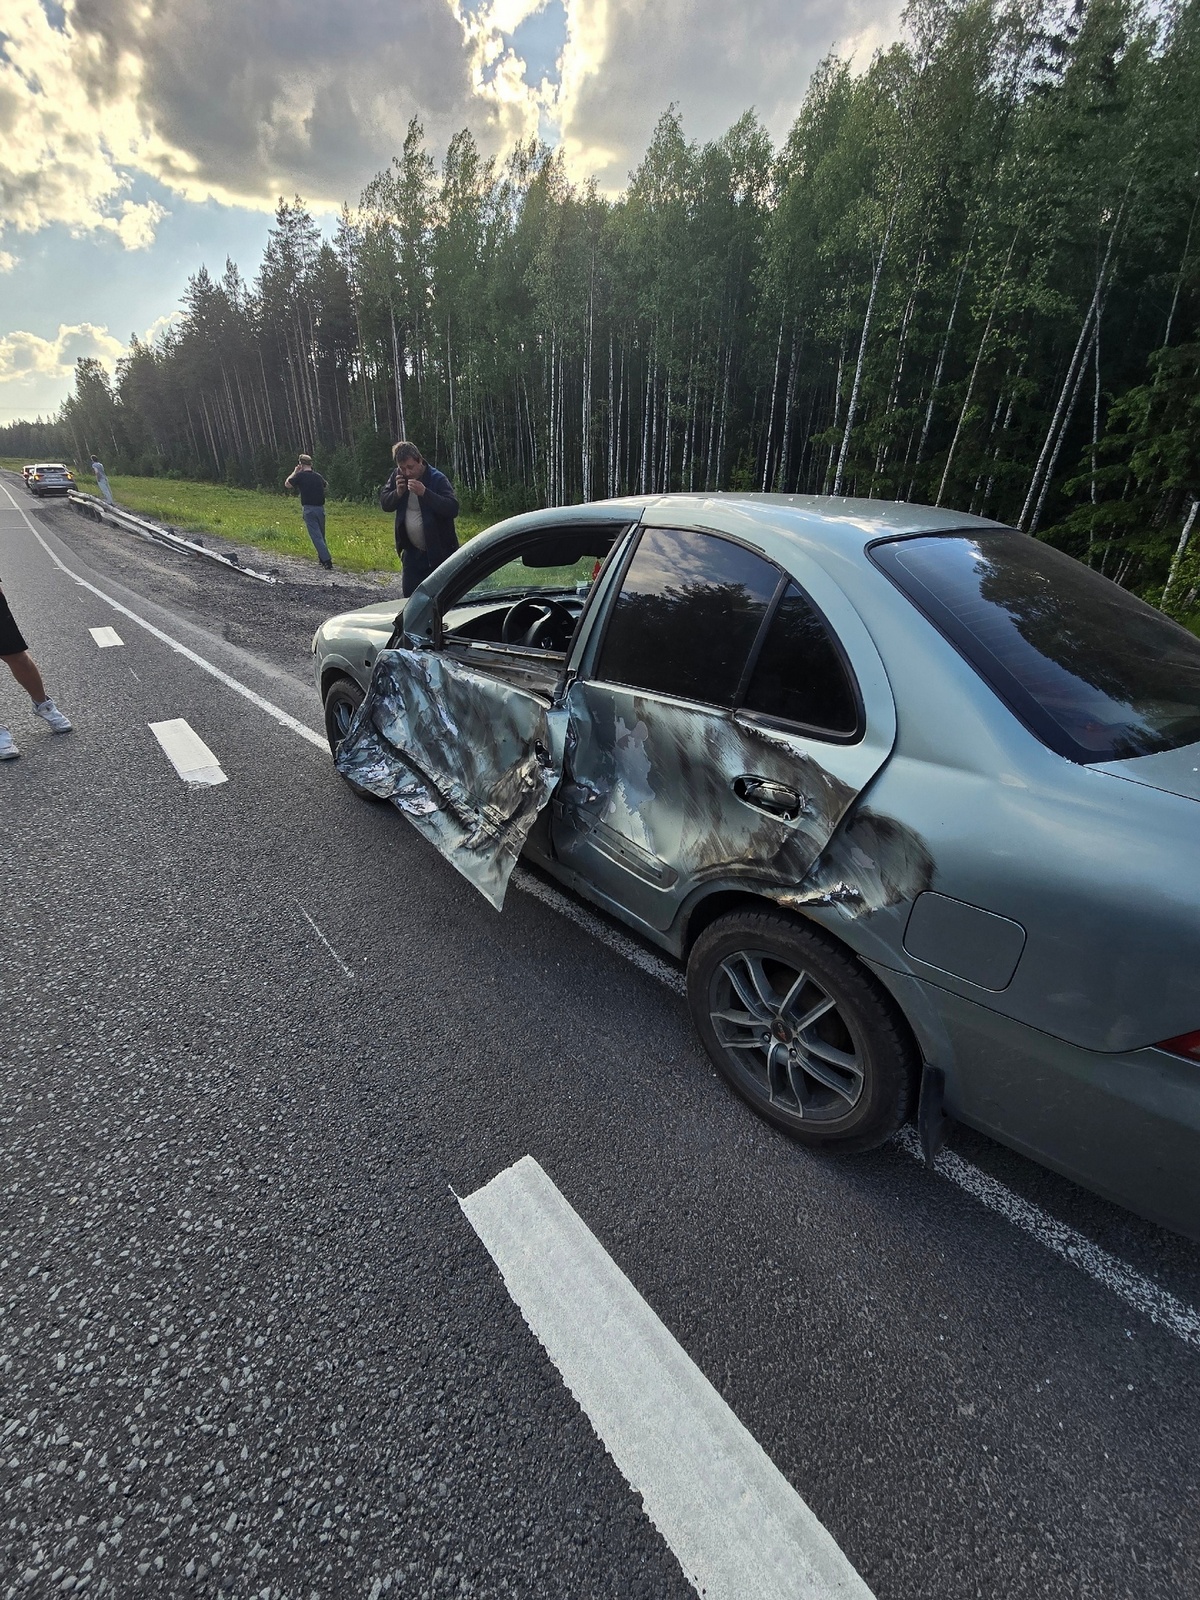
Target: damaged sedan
(911,794)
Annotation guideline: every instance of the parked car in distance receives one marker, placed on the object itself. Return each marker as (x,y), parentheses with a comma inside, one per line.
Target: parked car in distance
(50,477)
(913,795)
(25,472)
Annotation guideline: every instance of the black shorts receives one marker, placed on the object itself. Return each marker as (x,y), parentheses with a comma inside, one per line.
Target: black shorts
(11,641)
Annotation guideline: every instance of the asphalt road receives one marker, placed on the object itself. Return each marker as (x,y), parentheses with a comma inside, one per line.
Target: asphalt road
(258,1037)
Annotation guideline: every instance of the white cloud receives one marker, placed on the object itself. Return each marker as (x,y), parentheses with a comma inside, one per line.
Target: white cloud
(243,103)
(67,154)
(624,61)
(497,71)
(7,261)
(135,223)
(24,356)
(161,325)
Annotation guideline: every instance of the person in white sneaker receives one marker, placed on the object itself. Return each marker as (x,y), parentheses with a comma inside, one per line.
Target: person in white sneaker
(14,652)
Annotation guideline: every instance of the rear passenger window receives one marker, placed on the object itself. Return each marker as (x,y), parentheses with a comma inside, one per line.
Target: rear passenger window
(690,608)
(799,675)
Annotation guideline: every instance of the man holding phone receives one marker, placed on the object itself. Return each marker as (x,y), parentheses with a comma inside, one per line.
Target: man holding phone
(310,486)
(425,505)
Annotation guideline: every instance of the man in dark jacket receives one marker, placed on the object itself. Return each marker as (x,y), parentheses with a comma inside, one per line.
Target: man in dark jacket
(425,506)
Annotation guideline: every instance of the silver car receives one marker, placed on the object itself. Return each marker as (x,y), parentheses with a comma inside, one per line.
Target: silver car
(912,795)
(49,477)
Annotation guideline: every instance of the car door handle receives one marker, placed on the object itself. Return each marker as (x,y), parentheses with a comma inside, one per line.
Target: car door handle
(767,795)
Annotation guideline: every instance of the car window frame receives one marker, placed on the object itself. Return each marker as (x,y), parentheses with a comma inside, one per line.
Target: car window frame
(785,580)
(455,592)
(793,724)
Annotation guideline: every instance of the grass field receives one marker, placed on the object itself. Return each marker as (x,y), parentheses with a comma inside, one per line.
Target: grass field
(359,536)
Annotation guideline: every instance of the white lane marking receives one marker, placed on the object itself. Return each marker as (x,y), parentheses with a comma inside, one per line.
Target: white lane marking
(284,718)
(1109,1271)
(325,942)
(630,949)
(732,1520)
(1116,1275)
(188,753)
(106,638)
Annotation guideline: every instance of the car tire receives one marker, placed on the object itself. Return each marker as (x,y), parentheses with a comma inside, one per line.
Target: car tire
(342,699)
(799,1029)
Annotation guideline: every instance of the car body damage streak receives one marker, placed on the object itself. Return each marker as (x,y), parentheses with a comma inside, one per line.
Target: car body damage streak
(469,760)
(872,863)
(680,795)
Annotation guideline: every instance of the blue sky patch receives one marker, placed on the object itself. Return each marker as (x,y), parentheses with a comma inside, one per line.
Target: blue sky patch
(538,41)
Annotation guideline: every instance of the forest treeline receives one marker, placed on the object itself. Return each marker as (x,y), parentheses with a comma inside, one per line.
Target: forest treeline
(969,277)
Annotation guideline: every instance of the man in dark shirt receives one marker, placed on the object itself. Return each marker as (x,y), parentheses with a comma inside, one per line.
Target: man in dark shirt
(425,505)
(310,486)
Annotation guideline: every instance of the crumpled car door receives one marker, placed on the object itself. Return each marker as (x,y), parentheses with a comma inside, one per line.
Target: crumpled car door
(469,760)
(662,796)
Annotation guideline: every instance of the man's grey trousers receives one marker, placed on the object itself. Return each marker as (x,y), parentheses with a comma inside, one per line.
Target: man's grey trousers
(314,521)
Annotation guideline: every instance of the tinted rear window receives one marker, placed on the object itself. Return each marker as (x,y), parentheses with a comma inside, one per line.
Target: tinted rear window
(799,676)
(1094,672)
(687,616)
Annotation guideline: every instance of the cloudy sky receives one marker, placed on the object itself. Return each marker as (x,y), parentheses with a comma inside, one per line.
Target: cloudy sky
(139,138)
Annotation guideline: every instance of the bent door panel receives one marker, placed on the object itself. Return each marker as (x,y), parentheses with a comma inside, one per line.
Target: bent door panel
(687,760)
(657,798)
(470,760)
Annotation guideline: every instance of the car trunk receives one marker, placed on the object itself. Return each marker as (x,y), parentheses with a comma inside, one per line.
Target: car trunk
(1172,771)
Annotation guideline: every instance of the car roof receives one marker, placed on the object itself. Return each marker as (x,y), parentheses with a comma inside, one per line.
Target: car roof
(837,520)
(849,525)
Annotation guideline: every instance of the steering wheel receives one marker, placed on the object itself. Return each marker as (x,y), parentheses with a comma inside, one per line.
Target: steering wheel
(532,620)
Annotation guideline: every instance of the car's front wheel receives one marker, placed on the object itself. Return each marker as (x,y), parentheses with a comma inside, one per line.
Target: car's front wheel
(342,699)
(801,1031)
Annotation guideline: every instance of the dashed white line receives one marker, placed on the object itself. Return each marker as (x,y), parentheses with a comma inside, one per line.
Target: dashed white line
(734,1523)
(188,753)
(325,942)
(106,638)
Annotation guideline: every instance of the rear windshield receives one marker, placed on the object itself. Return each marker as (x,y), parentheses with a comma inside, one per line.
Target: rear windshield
(1094,672)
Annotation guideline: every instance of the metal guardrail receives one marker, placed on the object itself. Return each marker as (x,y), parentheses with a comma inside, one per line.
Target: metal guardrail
(155,534)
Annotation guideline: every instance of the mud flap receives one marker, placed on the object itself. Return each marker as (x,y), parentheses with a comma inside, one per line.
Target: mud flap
(932,1121)
(469,760)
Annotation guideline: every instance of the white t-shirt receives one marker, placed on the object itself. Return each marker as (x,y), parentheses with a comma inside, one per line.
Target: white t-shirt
(414,527)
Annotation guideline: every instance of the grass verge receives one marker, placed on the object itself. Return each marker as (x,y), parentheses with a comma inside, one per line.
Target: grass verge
(359,535)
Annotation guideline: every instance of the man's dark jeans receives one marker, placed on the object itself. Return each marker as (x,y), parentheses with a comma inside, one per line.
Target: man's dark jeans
(417,564)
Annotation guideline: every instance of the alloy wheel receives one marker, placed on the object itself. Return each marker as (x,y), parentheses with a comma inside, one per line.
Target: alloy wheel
(785,1037)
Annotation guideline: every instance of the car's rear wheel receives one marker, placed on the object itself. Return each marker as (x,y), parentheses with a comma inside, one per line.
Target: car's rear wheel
(801,1031)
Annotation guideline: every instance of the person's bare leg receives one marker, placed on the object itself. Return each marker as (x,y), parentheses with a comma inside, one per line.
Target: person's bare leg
(24,670)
